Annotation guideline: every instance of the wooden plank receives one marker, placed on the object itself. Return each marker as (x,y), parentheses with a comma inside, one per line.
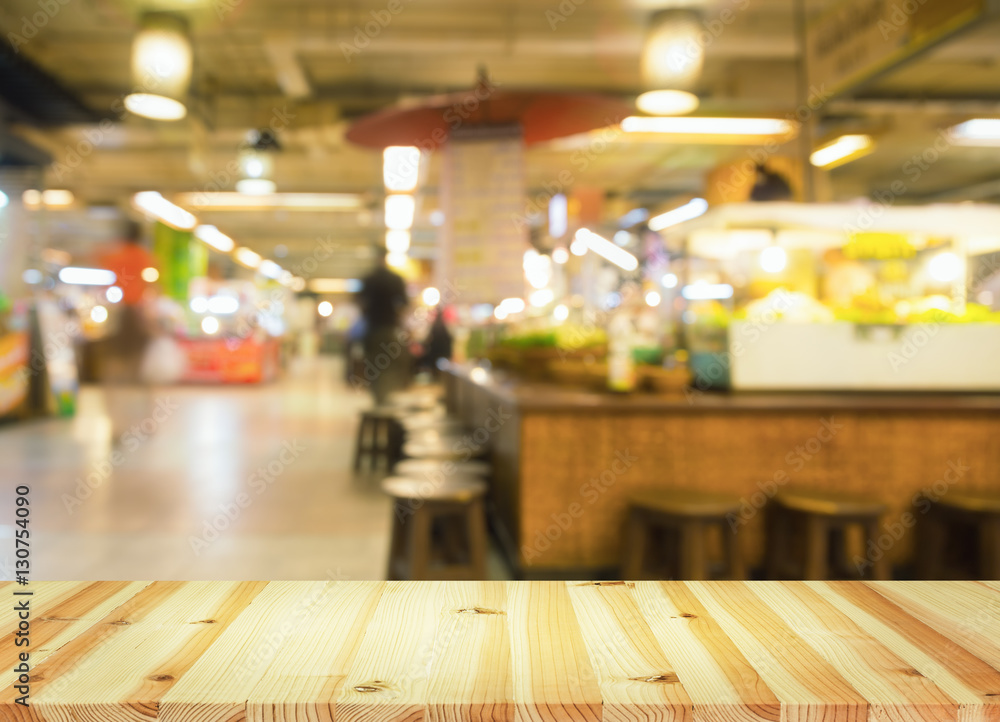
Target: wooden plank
(808,686)
(282,658)
(388,680)
(719,679)
(636,680)
(120,668)
(61,617)
(963,676)
(470,677)
(966,613)
(893,688)
(552,675)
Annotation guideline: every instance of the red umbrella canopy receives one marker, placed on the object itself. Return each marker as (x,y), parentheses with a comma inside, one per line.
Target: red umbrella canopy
(542,116)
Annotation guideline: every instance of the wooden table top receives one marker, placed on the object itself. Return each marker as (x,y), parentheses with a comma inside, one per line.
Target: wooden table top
(314,651)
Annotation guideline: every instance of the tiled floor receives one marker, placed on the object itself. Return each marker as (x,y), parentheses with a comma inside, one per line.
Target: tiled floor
(167,480)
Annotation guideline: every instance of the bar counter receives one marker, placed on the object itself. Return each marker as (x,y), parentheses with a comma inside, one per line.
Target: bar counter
(567,460)
(352,651)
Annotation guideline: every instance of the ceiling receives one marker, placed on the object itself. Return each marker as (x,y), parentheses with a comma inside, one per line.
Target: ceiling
(296,63)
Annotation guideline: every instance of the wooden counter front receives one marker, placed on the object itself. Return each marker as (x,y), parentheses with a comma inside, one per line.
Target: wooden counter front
(385,651)
(566,461)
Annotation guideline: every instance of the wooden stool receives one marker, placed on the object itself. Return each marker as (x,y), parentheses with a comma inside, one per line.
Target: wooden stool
(423,468)
(979,513)
(687,516)
(449,448)
(820,517)
(438,530)
(380,437)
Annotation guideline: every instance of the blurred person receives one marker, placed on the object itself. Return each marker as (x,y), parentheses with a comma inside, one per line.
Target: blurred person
(382,300)
(127,345)
(438,344)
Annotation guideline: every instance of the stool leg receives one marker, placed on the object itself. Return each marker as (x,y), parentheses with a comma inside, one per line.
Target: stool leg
(359,444)
(989,548)
(930,546)
(636,537)
(692,552)
(476,516)
(376,446)
(737,567)
(776,541)
(420,544)
(880,566)
(817,541)
(397,542)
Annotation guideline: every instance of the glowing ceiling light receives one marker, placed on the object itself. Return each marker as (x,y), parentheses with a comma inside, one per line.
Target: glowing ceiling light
(87,276)
(401,168)
(248,258)
(978,131)
(113,294)
(396,260)
(397,241)
(399,212)
(150,274)
(163,210)
(669,280)
(199,304)
(324,309)
(270,269)
(99,314)
(672,55)
(653,299)
(513,305)
(578,247)
(842,150)
(229,201)
(558,215)
(607,250)
(223,305)
(335,285)
(692,209)
(708,126)
(560,312)
(214,238)
(667,102)
(210,325)
(431,296)
(255,186)
(542,297)
(945,267)
(161,68)
(773,259)
(703,291)
(560,255)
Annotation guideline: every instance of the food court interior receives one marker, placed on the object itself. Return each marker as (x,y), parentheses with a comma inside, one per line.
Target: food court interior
(349,289)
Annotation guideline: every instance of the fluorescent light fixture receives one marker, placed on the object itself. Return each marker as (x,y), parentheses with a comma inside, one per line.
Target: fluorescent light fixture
(945,267)
(324,309)
(978,131)
(163,210)
(215,238)
(270,269)
(542,298)
(113,294)
(708,126)
(512,305)
(199,304)
(558,215)
(248,258)
(607,250)
(397,241)
(653,299)
(578,247)
(210,325)
(50,198)
(692,209)
(773,259)
(560,312)
(99,314)
(704,291)
(401,168)
(223,305)
(399,212)
(229,201)
(87,276)
(150,274)
(156,107)
(672,55)
(633,217)
(560,255)
(335,285)
(842,150)
(431,296)
(667,102)
(256,186)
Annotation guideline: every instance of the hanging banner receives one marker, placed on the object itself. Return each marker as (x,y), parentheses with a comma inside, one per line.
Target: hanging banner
(483,189)
(857,39)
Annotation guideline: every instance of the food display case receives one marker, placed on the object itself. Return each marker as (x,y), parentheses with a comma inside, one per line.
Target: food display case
(783,296)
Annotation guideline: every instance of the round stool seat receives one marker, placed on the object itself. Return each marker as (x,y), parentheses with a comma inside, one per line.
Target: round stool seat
(431,467)
(454,489)
(426,417)
(686,503)
(973,502)
(446,449)
(829,504)
(441,437)
(381,412)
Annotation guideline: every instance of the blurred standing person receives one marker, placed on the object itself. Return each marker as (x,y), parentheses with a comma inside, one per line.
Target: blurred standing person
(438,344)
(382,299)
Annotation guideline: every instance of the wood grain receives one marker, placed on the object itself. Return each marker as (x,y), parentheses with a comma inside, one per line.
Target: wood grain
(510,651)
